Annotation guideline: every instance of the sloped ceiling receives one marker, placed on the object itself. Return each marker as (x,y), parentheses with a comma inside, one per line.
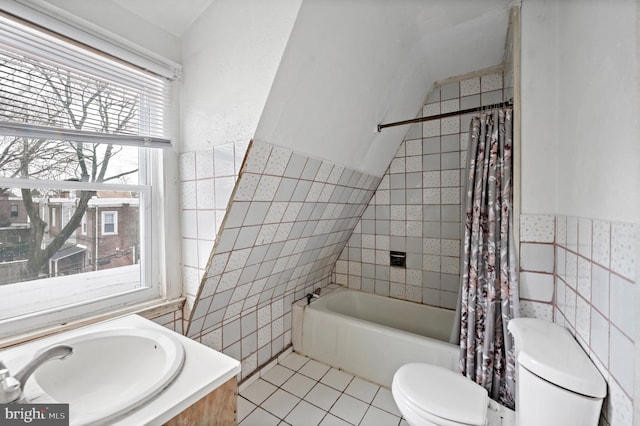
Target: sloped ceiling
(347,66)
(350,65)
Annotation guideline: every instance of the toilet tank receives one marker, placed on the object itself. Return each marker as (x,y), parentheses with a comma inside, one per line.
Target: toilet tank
(556,382)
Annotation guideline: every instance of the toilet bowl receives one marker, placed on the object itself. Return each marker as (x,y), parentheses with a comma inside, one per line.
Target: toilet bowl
(431,395)
(556,384)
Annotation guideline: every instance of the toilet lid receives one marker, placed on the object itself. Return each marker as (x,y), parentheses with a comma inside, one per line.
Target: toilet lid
(442,393)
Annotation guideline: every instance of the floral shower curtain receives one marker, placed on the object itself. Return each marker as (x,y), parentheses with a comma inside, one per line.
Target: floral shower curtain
(489,292)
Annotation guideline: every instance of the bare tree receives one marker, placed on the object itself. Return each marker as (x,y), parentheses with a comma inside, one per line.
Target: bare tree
(59,98)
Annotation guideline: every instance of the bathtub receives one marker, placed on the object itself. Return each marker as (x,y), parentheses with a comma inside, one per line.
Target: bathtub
(372,336)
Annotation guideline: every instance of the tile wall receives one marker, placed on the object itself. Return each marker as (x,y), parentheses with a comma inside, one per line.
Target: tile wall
(592,263)
(207,179)
(289,218)
(417,207)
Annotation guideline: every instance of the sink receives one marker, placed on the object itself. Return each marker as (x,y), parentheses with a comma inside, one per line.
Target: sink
(110,372)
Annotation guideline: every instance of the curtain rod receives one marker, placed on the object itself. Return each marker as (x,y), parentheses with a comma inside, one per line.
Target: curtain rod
(446,114)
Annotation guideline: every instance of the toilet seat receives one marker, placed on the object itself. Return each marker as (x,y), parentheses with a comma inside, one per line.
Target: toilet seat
(439,395)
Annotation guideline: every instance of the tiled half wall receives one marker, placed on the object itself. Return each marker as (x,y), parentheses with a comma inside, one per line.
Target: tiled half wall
(207,179)
(417,207)
(581,274)
(289,218)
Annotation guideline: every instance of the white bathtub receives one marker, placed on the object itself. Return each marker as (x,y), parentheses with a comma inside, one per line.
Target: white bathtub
(372,336)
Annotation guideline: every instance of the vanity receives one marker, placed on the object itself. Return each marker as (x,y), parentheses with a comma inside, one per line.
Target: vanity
(129,371)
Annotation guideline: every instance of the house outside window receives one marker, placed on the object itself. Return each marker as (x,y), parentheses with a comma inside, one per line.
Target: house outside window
(14,210)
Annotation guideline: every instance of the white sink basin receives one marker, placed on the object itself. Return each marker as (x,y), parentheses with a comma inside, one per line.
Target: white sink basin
(111,372)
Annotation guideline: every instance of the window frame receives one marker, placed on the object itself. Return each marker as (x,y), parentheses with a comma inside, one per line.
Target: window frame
(161,276)
(159,282)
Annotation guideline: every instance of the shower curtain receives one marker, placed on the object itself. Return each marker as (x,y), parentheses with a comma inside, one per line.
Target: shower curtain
(489,287)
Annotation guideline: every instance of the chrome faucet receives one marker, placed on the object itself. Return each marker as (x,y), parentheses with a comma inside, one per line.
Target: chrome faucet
(11,387)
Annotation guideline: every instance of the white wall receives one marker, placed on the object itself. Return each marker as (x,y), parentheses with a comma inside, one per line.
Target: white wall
(599,97)
(122,22)
(230,56)
(581,98)
(350,65)
(539,79)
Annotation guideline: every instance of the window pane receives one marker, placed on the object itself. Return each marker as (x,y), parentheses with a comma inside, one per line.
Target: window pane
(32,247)
(60,160)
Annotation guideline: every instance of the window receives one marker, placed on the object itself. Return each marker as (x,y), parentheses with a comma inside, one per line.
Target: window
(14,210)
(88,125)
(109,223)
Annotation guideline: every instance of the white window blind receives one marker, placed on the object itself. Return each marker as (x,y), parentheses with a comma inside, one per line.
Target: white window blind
(54,88)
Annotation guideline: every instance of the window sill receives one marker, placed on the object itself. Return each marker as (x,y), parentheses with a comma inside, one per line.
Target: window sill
(149,309)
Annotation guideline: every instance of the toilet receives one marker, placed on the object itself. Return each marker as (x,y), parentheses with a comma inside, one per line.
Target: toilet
(556,384)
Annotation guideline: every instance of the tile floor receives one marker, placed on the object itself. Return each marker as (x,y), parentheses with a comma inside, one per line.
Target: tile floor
(301,391)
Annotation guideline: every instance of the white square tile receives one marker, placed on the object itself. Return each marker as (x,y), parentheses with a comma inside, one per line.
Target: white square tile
(189,224)
(331,420)
(223,189)
(278,160)
(190,252)
(280,403)
(305,414)
(314,369)
(535,286)
(620,406)
(322,396)
(277,375)
(204,164)
(583,318)
(299,385)
(336,379)
(470,86)
(561,230)
(205,248)
(543,311)
(245,407)
(259,391)
(247,184)
(206,220)
(256,213)
(349,409)
(260,417)
(584,237)
(584,277)
(384,400)
(537,228)
(491,82)
(267,188)
(324,171)
(537,257)
(187,166)
(623,304)
(622,360)
(258,157)
(294,361)
(600,289)
(600,337)
(572,233)
(601,242)
(188,195)
(362,389)
(377,417)
(624,248)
